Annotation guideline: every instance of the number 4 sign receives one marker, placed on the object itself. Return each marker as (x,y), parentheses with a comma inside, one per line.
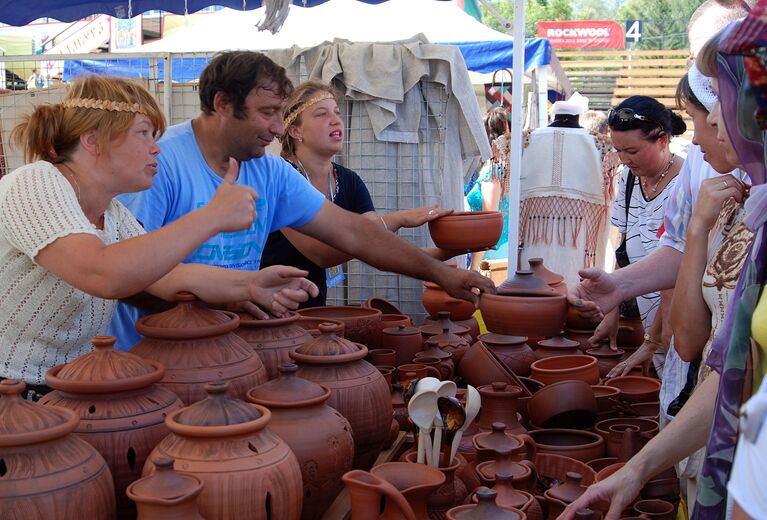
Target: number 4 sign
(634,30)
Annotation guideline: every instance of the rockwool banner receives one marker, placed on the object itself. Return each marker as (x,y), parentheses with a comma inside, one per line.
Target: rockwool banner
(577,34)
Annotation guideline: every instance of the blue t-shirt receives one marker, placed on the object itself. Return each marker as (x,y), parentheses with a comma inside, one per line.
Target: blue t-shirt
(185,182)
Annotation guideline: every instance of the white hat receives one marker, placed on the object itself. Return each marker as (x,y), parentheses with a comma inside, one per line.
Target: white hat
(701,87)
(577,105)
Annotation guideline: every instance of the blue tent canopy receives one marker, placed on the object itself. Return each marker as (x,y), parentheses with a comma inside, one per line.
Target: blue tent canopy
(490,56)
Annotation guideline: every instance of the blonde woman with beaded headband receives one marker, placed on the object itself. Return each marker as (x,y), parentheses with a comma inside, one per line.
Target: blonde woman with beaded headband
(313,135)
(69,249)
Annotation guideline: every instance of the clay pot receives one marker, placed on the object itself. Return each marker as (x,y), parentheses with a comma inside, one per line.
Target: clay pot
(360,323)
(486,508)
(319,436)
(508,496)
(523,474)
(312,325)
(523,315)
(574,320)
(359,391)
(382,357)
(467,230)
(624,441)
(387,372)
(480,366)
(433,326)
(165,494)
(470,323)
(405,341)
(655,509)
(540,271)
(561,368)
(606,397)
(499,405)
(564,494)
(525,283)
(409,371)
(607,358)
(388,321)
(383,305)
(512,350)
(121,409)
(647,427)
(554,468)
(451,493)
(435,300)
(196,345)
(556,346)
(581,337)
(566,404)
(487,444)
(418,483)
(448,342)
(248,471)
(272,339)
(46,472)
(601,463)
(630,332)
(576,444)
(636,389)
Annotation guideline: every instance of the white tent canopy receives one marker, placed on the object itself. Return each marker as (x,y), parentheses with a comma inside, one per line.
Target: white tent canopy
(336,19)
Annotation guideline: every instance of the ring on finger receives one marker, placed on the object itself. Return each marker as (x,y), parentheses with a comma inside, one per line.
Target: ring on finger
(725,184)
(431,212)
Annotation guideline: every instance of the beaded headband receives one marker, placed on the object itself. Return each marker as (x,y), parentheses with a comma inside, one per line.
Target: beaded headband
(320,96)
(104,104)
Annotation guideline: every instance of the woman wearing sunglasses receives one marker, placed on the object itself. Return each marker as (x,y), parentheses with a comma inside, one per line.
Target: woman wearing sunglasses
(641,129)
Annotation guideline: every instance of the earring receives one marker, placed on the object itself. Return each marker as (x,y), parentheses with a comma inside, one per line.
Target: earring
(300,139)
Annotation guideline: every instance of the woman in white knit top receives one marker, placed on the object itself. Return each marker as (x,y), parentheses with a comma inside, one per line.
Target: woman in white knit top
(68,249)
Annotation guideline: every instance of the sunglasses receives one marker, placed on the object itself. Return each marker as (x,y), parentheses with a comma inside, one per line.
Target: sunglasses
(625,116)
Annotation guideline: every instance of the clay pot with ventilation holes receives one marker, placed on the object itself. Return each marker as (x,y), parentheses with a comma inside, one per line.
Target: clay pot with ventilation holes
(248,472)
(121,408)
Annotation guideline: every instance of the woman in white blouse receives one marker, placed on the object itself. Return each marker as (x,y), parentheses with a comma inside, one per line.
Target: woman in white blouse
(69,249)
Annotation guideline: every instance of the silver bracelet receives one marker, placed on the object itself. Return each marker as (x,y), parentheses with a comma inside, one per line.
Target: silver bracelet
(384,223)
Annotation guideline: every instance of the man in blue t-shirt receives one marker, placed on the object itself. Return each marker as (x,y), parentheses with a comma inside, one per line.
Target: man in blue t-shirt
(242,96)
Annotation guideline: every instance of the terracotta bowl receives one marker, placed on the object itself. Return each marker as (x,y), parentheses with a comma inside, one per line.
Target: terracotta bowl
(636,389)
(360,323)
(435,299)
(312,325)
(566,404)
(609,470)
(561,368)
(606,397)
(467,230)
(649,410)
(383,305)
(523,315)
(600,464)
(576,444)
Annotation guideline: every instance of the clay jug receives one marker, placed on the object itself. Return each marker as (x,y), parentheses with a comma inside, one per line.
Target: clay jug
(432,328)
(46,472)
(512,350)
(556,346)
(508,495)
(486,508)
(272,339)
(197,345)
(499,404)
(165,494)
(565,493)
(405,341)
(388,321)
(445,364)
(320,437)
(358,390)
(451,343)
(122,411)
(450,494)
(249,472)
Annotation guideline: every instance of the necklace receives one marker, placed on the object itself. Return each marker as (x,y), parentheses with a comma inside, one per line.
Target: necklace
(662,175)
(331,177)
(71,175)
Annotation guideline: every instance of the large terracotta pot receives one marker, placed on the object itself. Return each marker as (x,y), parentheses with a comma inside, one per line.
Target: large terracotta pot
(48,473)
(405,341)
(486,508)
(198,345)
(435,300)
(121,409)
(272,339)
(512,350)
(451,493)
(388,321)
(165,494)
(248,471)
(359,391)
(561,368)
(523,315)
(320,437)
(576,444)
(467,230)
(360,323)
(499,405)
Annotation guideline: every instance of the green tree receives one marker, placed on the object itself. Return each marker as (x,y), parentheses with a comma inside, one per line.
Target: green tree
(535,10)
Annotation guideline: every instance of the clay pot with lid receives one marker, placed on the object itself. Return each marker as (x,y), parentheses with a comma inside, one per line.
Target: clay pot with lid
(248,471)
(196,345)
(166,494)
(358,390)
(512,350)
(446,341)
(272,339)
(509,496)
(469,323)
(564,494)
(486,508)
(311,324)
(523,474)
(388,321)
(320,437)
(556,346)
(433,326)
(435,300)
(561,368)
(499,405)
(607,358)
(577,444)
(405,341)
(121,408)
(47,472)
(554,280)
(487,444)
(360,323)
